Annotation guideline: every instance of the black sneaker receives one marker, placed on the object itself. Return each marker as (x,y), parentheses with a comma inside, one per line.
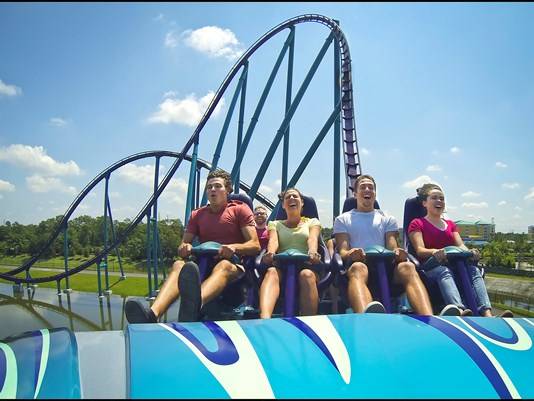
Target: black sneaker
(507,313)
(190,299)
(374,307)
(450,310)
(136,312)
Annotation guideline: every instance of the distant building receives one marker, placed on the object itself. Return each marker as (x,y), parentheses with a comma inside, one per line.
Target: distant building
(476,230)
(531,232)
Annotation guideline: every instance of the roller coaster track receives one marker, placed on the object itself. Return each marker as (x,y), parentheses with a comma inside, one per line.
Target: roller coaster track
(97,180)
(345,107)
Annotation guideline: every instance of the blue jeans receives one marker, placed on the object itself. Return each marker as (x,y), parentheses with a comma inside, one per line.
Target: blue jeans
(449,291)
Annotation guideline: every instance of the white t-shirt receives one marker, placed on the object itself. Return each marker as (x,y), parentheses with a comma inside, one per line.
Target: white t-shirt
(365,228)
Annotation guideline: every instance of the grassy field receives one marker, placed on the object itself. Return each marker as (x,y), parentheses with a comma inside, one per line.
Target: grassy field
(520,278)
(59,263)
(134,286)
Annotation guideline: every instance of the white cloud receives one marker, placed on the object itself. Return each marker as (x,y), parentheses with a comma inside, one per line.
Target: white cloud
(265,189)
(177,183)
(530,195)
(38,183)
(214,41)
(416,183)
(35,158)
(6,186)
(473,205)
(501,165)
(510,185)
(159,17)
(516,216)
(433,167)
(365,151)
(9,90)
(171,39)
(169,94)
(501,203)
(278,182)
(174,197)
(474,217)
(144,175)
(455,149)
(470,194)
(57,122)
(518,208)
(187,111)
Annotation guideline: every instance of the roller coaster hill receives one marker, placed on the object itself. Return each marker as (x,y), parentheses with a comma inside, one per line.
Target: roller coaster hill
(393,355)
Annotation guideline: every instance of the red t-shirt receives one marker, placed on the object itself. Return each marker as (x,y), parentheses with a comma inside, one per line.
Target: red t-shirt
(263,236)
(433,237)
(223,227)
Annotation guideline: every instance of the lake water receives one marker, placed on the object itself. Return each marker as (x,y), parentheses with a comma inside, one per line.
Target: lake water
(34,309)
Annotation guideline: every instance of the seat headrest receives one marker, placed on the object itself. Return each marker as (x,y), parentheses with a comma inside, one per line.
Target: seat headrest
(309,209)
(241,197)
(351,203)
(413,208)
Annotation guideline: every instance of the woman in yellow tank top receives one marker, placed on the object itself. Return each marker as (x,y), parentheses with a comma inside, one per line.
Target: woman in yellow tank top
(297,232)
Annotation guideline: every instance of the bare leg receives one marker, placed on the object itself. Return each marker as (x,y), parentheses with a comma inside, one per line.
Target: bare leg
(223,273)
(308,295)
(269,292)
(168,292)
(358,293)
(406,275)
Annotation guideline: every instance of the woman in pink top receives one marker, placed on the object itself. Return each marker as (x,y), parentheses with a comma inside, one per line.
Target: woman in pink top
(429,236)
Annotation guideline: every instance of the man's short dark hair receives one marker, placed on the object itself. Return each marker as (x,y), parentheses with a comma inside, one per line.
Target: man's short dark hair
(218,173)
(361,177)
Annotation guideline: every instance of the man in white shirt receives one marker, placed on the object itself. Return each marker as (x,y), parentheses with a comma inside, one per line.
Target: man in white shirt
(365,226)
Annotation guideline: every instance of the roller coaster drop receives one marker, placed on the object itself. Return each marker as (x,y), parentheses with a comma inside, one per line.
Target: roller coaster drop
(334,356)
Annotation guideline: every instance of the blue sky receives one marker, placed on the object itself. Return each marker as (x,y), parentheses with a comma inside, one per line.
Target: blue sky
(443,92)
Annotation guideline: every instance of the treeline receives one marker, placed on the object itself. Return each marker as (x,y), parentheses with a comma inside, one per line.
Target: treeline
(506,248)
(85,237)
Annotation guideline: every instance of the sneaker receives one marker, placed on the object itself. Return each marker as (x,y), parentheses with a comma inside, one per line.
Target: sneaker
(374,307)
(507,313)
(450,310)
(137,312)
(467,312)
(190,299)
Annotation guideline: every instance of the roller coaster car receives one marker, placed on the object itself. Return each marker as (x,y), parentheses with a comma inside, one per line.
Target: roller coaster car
(288,261)
(380,283)
(458,259)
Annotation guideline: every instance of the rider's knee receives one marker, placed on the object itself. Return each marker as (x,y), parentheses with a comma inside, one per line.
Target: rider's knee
(358,270)
(407,271)
(307,276)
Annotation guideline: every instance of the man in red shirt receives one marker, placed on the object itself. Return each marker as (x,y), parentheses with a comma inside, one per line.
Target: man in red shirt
(229,223)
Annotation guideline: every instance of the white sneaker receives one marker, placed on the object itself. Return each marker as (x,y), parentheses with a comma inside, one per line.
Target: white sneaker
(450,310)
(374,307)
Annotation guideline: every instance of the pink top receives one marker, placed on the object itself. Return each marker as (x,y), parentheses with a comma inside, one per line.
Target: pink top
(433,237)
(223,227)
(263,236)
